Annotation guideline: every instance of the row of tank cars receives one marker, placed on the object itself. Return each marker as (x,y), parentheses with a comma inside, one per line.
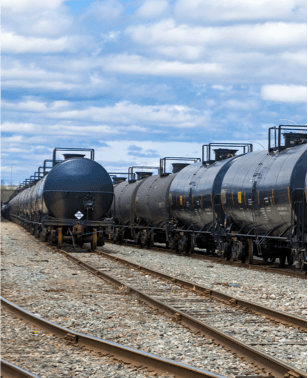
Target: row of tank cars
(238,205)
(65,200)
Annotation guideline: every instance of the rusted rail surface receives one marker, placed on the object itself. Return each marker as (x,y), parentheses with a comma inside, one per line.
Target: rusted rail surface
(9,370)
(270,313)
(276,367)
(219,260)
(136,357)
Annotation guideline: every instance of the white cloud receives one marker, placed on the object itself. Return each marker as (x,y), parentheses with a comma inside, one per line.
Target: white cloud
(152,8)
(127,113)
(125,116)
(107,11)
(284,93)
(170,148)
(111,36)
(267,35)
(45,24)
(240,10)
(295,57)
(134,64)
(186,52)
(73,75)
(29,6)
(57,129)
(221,87)
(18,44)
(247,105)
(24,128)
(35,106)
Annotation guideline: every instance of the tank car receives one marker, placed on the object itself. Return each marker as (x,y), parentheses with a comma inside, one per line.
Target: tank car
(237,205)
(141,205)
(248,204)
(65,202)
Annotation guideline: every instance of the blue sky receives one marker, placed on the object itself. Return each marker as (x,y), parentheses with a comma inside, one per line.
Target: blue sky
(139,80)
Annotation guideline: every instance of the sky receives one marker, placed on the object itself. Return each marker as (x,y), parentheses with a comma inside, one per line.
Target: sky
(145,79)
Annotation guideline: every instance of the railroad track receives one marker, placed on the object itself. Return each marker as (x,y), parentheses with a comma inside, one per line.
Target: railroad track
(50,286)
(9,370)
(148,362)
(269,313)
(200,313)
(278,368)
(257,265)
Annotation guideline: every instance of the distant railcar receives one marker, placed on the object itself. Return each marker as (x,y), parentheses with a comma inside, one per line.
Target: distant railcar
(66,203)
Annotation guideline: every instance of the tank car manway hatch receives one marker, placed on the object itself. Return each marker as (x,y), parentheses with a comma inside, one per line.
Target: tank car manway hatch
(65,199)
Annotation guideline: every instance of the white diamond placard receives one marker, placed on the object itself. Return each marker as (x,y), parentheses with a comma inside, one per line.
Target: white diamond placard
(79,215)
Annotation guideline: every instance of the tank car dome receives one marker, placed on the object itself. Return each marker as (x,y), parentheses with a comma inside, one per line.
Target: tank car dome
(69,184)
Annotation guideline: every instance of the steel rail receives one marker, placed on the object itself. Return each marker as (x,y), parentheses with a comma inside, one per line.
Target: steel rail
(9,370)
(219,260)
(268,312)
(253,355)
(127,354)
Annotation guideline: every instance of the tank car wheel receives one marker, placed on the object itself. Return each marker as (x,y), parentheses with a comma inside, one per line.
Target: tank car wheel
(227,253)
(52,239)
(182,244)
(143,239)
(137,239)
(190,248)
(249,251)
(37,232)
(151,240)
(122,237)
(173,243)
(43,234)
(282,259)
(117,237)
(290,258)
(114,238)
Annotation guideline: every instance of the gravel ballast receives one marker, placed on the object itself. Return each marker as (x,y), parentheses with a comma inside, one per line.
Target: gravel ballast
(44,282)
(48,356)
(283,293)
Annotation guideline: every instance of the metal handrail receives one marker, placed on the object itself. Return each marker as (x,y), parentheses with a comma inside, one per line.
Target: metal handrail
(162,162)
(247,148)
(277,135)
(71,149)
(131,174)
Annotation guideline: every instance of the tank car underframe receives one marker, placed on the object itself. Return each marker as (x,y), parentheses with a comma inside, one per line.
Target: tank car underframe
(241,245)
(232,245)
(56,231)
(182,239)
